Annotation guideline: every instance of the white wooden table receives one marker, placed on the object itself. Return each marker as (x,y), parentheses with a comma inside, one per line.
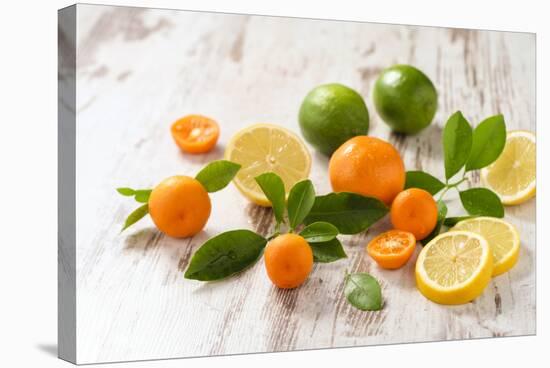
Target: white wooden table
(139,70)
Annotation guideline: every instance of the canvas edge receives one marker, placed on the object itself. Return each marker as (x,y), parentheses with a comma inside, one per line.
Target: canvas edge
(66,160)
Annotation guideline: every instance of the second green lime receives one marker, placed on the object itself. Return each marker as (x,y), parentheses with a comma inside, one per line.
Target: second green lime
(330,115)
(405,99)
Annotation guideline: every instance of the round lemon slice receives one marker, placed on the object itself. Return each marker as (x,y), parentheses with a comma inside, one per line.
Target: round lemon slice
(513,175)
(267,148)
(454,267)
(503,239)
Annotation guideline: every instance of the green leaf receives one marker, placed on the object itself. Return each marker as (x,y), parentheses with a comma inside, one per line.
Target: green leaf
(363,292)
(488,141)
(457,143)
(441,213)
(217,174)
(351,213)
(319,232)
(142,195)
(126,191)
(423,180)
(274,189)
(135,216)
(452,221)
(225,254)
(482,202)
(328,251)
(300,201)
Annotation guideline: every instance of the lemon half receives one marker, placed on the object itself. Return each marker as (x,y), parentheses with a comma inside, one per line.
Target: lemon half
(513,175)
(267,148)
(503,239)
(454,267)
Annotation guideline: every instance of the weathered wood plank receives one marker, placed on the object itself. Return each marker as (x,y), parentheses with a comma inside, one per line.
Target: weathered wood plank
(139,70)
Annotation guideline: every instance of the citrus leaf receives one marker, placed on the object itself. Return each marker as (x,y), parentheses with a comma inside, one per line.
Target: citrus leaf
(328,251)
(319,232)
(363,292)
(217,174)
(126,191)
(274,189)
(441,213)
(423,180)
(488,141)
(457,143)
(351,213)
(300,201)
(142,195)
(225,254)
(482,202)
(135,216)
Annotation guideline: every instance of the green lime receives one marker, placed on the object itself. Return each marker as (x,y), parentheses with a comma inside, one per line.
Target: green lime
(405,98)
(330,115)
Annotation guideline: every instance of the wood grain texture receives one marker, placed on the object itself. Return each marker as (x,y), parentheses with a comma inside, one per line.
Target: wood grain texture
(139,70)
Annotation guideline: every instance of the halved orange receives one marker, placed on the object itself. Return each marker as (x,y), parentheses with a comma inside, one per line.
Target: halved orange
(392,249)
(195,133)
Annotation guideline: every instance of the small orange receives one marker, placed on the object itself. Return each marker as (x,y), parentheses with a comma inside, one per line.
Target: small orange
(414,210)
(195,133)
(288,260)
(368,166)
(179,206)
(392,249)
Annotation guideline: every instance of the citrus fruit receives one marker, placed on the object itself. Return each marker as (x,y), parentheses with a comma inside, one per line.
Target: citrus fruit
(179,206)
(267,148)
(368,166)
(330,115)
(392,249)
(502,237)
(454,267)
(195,133)
(414,210)
(513,175)
(405,98)
(288,260)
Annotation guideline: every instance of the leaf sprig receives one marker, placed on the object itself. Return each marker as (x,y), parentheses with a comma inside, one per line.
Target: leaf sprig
(464,150)
(318,219)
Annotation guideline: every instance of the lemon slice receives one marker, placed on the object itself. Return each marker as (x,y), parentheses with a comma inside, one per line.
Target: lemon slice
(267,148)
(454,267)
(513,175)
(503,239)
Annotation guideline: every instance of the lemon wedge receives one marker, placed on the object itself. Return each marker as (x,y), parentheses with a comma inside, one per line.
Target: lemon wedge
(267,148)
(503,239)
(513,175)
(454,267)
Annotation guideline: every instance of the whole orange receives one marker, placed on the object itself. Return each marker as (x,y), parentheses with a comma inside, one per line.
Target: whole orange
(414,210)
(288,260)
(368,166)
(179,206)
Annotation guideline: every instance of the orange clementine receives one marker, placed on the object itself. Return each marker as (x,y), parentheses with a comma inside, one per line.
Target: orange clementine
(414,210)
(195,133)
(368,166)
(288,260)
(392,249)
(179,206)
